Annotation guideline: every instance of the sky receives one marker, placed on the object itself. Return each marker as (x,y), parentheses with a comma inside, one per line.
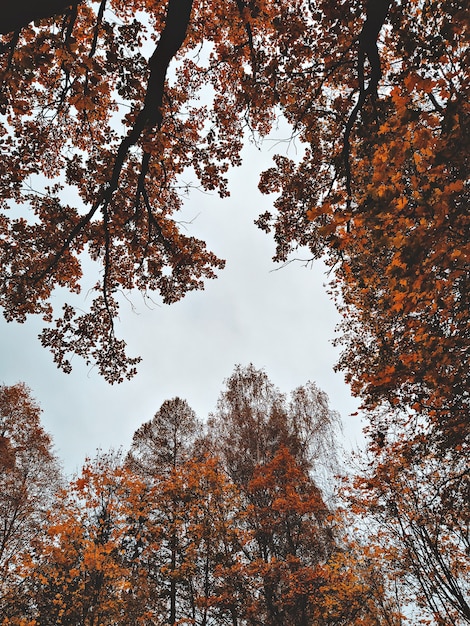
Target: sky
(280,319)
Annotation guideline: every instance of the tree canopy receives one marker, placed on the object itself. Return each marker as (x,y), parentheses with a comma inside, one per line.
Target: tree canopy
(29,480)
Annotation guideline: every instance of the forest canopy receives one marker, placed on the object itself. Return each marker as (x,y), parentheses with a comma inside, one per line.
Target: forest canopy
(104,105)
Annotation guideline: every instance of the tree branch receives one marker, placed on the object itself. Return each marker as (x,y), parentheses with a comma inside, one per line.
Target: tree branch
(150,116)
(376,14)
(18,14)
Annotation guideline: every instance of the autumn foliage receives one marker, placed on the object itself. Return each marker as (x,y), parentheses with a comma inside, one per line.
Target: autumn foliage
(96,133)
(29,479)
(419,508)
(188,542)
(103,107)
(100,117)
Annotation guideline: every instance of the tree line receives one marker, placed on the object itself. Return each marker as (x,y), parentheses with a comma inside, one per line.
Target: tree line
(237,521)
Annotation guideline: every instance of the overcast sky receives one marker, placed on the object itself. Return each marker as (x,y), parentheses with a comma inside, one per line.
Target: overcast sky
(282,321)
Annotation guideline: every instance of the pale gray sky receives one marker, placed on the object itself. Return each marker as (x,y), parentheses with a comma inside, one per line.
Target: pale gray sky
(282,321)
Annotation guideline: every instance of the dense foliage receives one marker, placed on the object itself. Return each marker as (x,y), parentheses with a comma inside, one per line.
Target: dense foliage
(95,133)
(377,94)
(227,524)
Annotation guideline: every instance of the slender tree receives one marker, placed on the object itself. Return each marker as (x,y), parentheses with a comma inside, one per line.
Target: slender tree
(160,448)
(29,476)
(250,422)
(418,507)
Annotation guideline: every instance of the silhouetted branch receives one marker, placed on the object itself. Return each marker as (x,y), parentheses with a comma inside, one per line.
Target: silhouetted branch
(376,14)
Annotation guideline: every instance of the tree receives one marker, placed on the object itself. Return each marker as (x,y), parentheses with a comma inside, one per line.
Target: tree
(315,427)
(88,62)
(292,536)
(169,534)
(382,192)
(29,477)
(249,424)
(158,452)
(298,564)
(417,511)
(199,513)
(89,113)
(95,133)
(162,444)
(89,571)
(93,64)
(253,419)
